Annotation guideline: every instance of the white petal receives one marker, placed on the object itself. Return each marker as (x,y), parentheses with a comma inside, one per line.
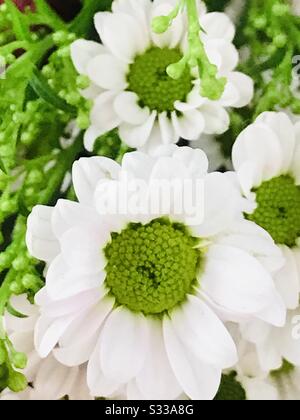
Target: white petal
(48,332)
(255,240)
(40,240)
(124,346)
(107,72)
(216,118)
(172,37)
(189,125)
(194,159)
(127,108)
(103,116)
(89,322)
(198,380)
(90,136)
(64,282)
(259,390)
(138,164)
(82,52)
(54,381)
(282,126)
(260,145)
(87,172)
(269,354)
(236,280)
(168,133)
(67,214)
(287,280)
(156,381)
(122,34)
(140,9)
(137,136)
(218,25)
(82,248)
(22,305)
(73,304)
(295,167)
(219,193)
(98,384)
(243,85)
(221,53)
(204,334)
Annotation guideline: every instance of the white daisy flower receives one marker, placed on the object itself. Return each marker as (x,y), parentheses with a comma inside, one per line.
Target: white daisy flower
(139,298)
(49,379)
(129,84)
(266,157)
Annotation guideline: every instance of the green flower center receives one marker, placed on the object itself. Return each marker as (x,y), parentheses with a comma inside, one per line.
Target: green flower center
(148,78)
(278,210)
(151,268)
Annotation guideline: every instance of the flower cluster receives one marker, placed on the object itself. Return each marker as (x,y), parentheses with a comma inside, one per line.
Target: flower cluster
(150,201)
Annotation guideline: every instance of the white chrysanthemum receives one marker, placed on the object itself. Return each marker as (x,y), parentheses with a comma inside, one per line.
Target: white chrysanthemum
(138,298)
(129,84)
(267,160)
(50,379)
(266,157)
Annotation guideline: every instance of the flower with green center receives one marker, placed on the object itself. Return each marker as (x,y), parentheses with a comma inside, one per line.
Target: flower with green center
(147,78)
(159,87)
(278,209)
(143,281)
(266,157)
(152,268)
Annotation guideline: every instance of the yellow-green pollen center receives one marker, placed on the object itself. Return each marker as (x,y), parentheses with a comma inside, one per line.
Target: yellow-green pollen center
(151,268)
(148,78)
(278,209)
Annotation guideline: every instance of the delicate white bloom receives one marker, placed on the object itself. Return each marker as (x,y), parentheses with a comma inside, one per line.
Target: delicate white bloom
(130,88)
(50,379)
(266,157)
(139,298)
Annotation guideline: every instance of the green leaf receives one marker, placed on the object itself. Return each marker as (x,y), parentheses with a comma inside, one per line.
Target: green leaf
(2,166)
(19,22)
(47,16)
(41,87)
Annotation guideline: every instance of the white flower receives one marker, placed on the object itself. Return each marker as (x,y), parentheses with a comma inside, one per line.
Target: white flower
(129,84)
(139,298)
(266,157)
(50,379)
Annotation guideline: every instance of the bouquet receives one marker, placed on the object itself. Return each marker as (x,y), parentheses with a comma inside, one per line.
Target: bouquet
(150,200)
